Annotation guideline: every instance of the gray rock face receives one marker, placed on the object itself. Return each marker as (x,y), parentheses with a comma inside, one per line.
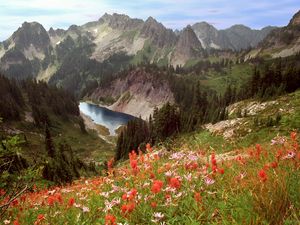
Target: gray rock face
(295,21)
(208,35)
(236,37)
(120,21)
(282,42)
(188,43)
(157,33)
(31,34)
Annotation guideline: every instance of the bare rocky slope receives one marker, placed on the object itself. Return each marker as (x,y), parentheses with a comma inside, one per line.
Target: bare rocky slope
(138,93)
(38,53)
(280,42)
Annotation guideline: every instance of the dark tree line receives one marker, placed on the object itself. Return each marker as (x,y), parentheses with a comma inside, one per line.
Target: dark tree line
(42,100)
(272,79)
(60,165)
(11,99)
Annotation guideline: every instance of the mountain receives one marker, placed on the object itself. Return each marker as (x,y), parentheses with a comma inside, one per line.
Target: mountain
(76,57)
(236,38)
(187,47)
(26,51)
(280,42)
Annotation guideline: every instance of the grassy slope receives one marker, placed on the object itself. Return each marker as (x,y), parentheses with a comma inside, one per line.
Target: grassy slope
(238,192)
(236,75)
(260,184)
(87,146)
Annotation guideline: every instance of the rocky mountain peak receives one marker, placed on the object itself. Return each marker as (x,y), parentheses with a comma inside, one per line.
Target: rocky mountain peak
(157,33)
(207,35)
(56,32)
(295,21)
(188,46)
(120,21)
(31,34)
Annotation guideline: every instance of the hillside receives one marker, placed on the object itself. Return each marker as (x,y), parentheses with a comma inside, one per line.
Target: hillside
(32,113)
(82,55)
(137,93)
(280,42)
(254,185)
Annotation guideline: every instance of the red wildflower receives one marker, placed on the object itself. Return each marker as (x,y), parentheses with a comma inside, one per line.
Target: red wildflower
(153,204)
(2,192)
(110,163)
(110,220)
(213,159)
(71,202)
(132,194)
(274,164)
(221,170)
(293,136)
(15,202)
(148,147)
(16,222)
(133,164)
(152,175)
(124,197)
(191,166)
(41,217)
(156,186)
(214,168)
(51,200)
(175,183)
(262,175)
(127,208)
(197,197)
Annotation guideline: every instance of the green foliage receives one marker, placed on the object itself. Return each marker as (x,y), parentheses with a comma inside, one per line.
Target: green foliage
(62,166)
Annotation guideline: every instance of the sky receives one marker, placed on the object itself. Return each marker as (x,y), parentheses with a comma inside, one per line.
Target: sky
(174,14)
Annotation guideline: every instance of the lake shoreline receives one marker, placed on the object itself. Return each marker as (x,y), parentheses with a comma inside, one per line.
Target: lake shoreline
(109,121)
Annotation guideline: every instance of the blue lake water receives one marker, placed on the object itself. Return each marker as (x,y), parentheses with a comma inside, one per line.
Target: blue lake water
(105,117)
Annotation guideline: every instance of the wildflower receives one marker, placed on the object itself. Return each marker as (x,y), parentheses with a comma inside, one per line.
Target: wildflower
(188,177)
(2,192)
(110,163)
(6,221)
(127,208)
(41,217)
(174,183)
(293,136)
(148,147)
(110,220)
(132,194)
(157,217)
(15,202)
(153,204)
(85,209)
(133,164)
(262,175)
(157,186)
(221,170)
(274,164)
(290,155)
(71,202)
(16,222)
(197,197)
(213,159)
(209,181)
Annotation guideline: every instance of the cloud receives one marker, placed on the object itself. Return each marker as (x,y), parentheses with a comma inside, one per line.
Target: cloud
(174,14)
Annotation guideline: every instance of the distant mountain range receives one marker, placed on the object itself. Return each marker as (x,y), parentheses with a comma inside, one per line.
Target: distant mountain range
(75,57)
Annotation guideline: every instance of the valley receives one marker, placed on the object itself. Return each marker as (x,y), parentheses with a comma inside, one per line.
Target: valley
(125,121)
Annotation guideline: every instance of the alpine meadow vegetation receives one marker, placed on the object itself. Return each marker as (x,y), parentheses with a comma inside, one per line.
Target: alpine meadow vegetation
(255,185)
